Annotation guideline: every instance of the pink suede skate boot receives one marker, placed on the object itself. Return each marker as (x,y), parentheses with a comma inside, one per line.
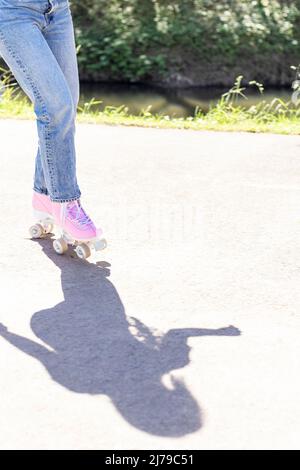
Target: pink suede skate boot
(74,222)
(42,212)
(41,205)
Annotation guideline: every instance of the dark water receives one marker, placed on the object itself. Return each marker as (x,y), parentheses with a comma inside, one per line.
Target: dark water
(171,102)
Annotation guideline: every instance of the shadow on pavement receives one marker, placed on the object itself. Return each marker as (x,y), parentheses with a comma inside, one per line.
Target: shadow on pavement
(97,349)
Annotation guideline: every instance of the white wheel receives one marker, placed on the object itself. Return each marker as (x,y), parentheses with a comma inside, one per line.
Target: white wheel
(60,246)
(100,244)
(83,251)
(48,227)
(36,231)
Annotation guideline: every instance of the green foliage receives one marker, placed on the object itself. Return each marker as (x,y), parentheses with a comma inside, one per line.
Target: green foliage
(143,39)
(116,40)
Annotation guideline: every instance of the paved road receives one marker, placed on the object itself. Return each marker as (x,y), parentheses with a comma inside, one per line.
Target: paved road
(185,332)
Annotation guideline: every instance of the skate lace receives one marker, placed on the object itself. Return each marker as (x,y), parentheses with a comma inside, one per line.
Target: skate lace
(76,213)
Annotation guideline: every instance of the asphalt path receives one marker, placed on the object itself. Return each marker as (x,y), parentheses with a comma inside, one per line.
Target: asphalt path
(184,333)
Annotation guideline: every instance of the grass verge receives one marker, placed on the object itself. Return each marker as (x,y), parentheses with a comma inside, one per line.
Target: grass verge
(228,114)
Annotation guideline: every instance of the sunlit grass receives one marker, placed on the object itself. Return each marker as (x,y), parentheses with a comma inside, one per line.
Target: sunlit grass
(227,115)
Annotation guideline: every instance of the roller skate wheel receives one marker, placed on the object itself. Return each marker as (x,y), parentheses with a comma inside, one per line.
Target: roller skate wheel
(36,231)
(48,227)
(100,244)
(60,246)
(83,251)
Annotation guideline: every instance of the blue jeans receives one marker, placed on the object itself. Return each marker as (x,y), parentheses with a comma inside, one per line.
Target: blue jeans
(37,43)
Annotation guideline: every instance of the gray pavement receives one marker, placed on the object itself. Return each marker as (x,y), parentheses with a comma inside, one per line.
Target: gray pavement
(184,333)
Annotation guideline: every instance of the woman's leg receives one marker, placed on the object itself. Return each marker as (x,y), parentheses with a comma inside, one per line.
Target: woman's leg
(60,38)
(25,29)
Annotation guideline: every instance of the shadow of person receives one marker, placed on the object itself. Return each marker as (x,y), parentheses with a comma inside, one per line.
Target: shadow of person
(95,348)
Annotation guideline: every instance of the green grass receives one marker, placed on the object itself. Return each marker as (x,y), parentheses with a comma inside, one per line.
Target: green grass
(278,117)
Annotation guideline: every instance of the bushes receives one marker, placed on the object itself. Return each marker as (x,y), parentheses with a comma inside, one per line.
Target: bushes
(203,41)
(193,42)
(115,39)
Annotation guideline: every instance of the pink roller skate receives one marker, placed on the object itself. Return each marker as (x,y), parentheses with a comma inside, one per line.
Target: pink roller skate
(42,212)
(76,229)
(75,226)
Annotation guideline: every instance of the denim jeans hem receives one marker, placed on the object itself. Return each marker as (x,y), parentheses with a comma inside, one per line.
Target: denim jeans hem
(65,200)
(40,191)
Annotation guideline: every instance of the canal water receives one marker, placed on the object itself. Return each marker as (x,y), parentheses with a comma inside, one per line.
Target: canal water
(173,102)
(166,101)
